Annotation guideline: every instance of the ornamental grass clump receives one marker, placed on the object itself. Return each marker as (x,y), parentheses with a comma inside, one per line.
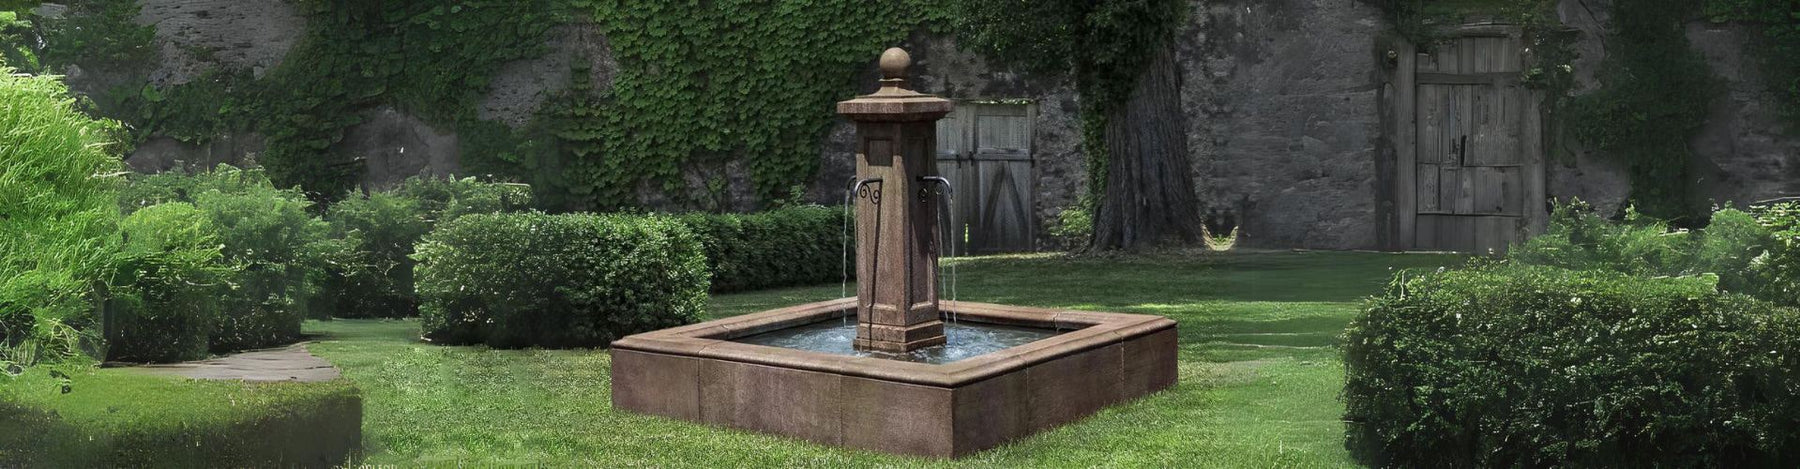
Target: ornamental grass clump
(577,280)
(1508,365)
(59,228)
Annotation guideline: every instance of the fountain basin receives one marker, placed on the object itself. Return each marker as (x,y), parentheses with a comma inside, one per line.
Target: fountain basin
(704,373)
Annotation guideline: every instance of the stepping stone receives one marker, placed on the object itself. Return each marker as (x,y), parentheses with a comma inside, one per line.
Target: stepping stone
(290,363)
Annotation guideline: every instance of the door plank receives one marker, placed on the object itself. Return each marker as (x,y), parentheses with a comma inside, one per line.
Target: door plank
(1427,190)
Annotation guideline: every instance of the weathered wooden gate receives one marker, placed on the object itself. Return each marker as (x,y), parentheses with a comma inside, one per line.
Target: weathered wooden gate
(984,149)
(1468,151)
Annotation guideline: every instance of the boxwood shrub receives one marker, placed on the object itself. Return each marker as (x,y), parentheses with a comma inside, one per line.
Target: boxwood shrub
(381,228)
(280,249)
(1506,365)
(166,297)
(786,247)
(578,280)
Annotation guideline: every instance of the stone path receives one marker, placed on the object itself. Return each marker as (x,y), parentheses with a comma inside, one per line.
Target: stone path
(290,363)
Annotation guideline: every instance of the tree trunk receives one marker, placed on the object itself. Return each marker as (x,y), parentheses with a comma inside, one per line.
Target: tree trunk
(1149,194)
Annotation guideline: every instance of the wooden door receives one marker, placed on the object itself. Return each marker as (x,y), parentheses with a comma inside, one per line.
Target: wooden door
(985,151)
(1471,171)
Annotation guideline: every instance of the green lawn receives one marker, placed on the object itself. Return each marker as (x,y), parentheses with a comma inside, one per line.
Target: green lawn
(1260,375)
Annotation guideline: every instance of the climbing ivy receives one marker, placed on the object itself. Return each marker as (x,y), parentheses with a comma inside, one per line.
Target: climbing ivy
(708,81)
(429,58)
(1779,47)
(699,83)
(1103,45)
(1653,99)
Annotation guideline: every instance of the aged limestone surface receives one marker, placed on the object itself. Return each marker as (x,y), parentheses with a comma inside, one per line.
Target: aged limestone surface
(1280,97)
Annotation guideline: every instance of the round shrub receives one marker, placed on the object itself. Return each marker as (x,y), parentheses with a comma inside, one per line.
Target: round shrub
(167,291)
(380,229)
(279,247)
(786,247)
(531,279)
(1529,366)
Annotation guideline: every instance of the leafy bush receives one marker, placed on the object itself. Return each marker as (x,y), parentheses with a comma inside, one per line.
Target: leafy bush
(442,200)
(179,185)
(58,230)
(1739,247)
(378,280)
(792,246)
(1530,366)
(381,229)
(530,279)
(167,291)
(281,249)
(1778,270)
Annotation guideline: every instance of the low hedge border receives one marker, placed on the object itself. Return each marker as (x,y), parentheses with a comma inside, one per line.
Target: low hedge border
(1504,365)
(122,418)
(576,280)
(780,248)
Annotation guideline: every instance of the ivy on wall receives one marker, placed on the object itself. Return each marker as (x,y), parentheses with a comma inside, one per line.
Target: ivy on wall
(1779,47)
(708,81)
(1653,99)
(432,59)
(699,83)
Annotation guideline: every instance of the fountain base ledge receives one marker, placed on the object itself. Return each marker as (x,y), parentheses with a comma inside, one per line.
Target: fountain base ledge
(697,373)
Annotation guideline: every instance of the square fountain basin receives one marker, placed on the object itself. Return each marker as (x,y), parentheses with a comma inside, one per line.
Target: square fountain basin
(699,373)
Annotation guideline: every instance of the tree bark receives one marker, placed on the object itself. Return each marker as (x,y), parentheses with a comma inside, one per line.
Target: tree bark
(1149,195)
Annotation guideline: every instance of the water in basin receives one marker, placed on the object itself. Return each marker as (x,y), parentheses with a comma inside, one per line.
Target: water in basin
(962,340)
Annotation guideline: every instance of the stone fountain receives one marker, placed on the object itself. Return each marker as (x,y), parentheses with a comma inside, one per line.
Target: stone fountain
(912,374)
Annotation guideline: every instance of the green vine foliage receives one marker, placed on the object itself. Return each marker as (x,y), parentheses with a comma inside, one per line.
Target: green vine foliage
(1779,49)
(1103,45)
(430,58)
(1653,99)
(708,81)
(699,83)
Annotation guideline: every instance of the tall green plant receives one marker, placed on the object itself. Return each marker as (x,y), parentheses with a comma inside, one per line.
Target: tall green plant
(58,218)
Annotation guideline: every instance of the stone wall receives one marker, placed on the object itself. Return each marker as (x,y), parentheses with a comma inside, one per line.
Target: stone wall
(1745,153)
(1281,98)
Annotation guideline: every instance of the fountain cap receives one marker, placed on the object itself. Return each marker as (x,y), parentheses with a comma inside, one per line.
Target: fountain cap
(893,102)
(894,63)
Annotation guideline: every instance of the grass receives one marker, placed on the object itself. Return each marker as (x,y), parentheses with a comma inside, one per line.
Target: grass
(1260,375)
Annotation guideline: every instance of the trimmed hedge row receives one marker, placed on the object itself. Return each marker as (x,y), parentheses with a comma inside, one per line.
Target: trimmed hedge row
(779,248)
(1529,366)
(531,279)
(382,229)
(124,418)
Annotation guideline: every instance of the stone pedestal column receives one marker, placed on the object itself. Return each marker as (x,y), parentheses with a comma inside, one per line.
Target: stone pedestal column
(896,212)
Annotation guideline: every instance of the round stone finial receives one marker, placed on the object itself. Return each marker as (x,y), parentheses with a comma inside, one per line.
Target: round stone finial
(894,63)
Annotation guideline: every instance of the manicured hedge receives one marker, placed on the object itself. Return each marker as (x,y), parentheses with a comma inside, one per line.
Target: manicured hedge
(280,249)
(381,229)
(1530,366)
(125,418)
(779,248)
(531,279)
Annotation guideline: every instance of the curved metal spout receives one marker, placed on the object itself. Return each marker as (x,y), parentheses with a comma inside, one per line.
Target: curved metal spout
(942,181)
